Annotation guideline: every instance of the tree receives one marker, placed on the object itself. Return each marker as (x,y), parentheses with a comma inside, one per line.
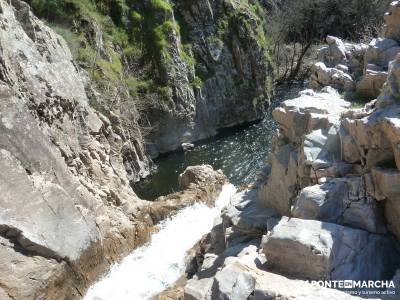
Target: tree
(296,25)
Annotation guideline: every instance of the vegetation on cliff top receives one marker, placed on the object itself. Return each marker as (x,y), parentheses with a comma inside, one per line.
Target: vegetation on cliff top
(119,42)
(125,45)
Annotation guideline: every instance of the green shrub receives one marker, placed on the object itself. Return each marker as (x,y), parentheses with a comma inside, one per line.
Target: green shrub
(161,33)
(197,82)
(161,5)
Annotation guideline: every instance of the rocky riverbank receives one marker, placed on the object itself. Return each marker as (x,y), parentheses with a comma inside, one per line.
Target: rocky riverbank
(67,209)
(328,206)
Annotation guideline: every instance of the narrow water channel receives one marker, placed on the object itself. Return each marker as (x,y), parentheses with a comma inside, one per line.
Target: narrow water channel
(239,152)
(150,269)
(154,267)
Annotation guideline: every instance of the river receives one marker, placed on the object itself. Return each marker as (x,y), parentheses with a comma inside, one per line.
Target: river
(152,268)
(157,265)
(239,152)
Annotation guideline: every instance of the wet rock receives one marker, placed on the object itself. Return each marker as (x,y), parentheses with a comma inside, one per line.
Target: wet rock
(319,250)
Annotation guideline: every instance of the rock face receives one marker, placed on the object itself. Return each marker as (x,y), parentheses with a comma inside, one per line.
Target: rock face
(329,207)
(231,60)
(341,201)
(325,251)
(311,120)
(392,22)
(68,211)
(379,54)
(240,278)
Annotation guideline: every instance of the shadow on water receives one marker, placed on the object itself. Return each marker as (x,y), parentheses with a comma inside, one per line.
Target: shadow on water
(240,152)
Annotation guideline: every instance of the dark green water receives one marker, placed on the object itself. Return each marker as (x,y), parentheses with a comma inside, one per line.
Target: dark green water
(239,152)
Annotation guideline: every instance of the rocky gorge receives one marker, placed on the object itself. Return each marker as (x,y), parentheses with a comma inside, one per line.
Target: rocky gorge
(325,208)
(67,209)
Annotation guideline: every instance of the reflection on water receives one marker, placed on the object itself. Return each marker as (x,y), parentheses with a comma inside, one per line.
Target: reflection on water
(239,152)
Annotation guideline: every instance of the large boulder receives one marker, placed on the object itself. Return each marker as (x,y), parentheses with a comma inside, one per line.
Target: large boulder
(281,186)
(195,175)
(244,216)
(276,287)
(336,77)
(311,121)
(308,112)
(342,201)
(334,53)
(370,85)
(376,136)
(381,51)
(239,279)
(198,289)
(324,251)
(318,152)
(392,21)
(390,94)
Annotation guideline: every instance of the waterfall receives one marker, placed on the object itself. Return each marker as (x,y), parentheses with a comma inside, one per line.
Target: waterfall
(157,265)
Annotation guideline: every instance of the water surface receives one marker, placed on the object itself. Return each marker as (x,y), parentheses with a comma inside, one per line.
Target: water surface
(154,267)
(239,152)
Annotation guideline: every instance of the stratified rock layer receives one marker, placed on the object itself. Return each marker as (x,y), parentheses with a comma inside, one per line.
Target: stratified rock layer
(67,209)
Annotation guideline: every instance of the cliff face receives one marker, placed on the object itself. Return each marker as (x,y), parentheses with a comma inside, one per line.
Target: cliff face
(230,80)
(66,201)
(173,71)
(67,209)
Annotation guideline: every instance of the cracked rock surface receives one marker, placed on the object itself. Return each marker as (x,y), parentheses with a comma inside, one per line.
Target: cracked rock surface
(67,209)
(329,207)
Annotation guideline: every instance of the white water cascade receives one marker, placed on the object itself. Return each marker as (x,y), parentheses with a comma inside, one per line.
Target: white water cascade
(157,265)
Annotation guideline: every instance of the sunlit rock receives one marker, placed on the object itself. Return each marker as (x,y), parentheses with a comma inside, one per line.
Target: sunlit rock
(324,251)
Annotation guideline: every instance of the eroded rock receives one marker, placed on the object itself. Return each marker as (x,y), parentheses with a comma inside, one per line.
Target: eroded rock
(342,201)
(318,250)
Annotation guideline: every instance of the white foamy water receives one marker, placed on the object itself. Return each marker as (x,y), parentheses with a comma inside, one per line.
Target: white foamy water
(154,267)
